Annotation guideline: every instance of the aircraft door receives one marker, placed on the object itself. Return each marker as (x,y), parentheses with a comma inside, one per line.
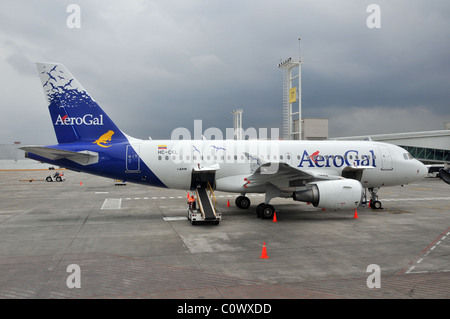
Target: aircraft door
(386,159)
(132,161)
(201,179)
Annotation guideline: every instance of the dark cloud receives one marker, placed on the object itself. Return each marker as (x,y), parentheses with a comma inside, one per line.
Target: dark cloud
(158,65)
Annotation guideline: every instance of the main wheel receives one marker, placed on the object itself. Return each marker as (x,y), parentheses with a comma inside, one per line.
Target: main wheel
(267,211)
(259,210)
(243,202)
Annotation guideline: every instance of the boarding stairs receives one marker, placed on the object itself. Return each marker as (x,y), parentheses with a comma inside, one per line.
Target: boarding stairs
(206,206)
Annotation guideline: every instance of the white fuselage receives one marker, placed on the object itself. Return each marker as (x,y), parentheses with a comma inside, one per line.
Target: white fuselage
(173,161)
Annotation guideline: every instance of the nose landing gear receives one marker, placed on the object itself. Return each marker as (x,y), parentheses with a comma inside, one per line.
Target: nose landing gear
(374,203)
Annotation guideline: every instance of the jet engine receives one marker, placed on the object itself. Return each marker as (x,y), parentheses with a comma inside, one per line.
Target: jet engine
(336,194)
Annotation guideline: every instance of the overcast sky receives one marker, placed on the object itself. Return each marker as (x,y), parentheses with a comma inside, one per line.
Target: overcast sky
(154,66)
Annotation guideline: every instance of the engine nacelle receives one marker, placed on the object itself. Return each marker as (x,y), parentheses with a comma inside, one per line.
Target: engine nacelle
(336,194)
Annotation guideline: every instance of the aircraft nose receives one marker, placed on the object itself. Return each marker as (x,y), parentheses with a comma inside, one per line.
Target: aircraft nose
(422,170)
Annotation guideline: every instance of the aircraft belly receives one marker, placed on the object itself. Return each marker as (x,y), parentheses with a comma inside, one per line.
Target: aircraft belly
(378,178)
(172,176)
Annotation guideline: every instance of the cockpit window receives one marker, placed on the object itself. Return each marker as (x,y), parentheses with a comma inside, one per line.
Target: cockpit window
(407,156)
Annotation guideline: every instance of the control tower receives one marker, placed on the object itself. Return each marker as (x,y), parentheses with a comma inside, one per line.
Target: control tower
(238,131)
(291,95)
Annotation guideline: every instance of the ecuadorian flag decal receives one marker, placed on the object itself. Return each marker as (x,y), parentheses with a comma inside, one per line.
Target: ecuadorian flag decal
(162,147)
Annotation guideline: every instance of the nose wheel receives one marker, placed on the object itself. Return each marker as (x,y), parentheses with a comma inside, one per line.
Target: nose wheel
(374,203)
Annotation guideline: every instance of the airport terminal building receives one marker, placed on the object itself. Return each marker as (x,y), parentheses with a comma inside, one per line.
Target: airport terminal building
(428,147)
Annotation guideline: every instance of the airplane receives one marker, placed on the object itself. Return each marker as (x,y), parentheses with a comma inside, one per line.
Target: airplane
(328,174)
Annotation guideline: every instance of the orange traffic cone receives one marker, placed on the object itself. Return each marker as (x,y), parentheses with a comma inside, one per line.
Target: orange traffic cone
(228,203)
(274,217)
(264,252)
(356,214)
(81,183)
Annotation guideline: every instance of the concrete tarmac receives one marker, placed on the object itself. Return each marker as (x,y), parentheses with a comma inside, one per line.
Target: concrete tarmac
(135,242)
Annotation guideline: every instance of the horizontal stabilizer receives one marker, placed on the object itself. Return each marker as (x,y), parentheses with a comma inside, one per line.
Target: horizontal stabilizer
(81,157)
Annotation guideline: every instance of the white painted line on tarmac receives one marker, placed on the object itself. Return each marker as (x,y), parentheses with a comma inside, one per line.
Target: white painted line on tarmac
(414,199)
(112,203)
(169,219)
(410,269)
(435,244)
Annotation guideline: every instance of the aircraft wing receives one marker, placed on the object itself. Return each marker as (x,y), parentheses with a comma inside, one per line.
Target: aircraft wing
(283,175)
(81,157)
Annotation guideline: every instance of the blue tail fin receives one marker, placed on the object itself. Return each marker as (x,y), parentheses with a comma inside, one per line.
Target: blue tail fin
(75,115)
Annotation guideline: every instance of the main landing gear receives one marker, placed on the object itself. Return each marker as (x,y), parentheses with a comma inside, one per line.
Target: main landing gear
(242,202)
(263,210)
